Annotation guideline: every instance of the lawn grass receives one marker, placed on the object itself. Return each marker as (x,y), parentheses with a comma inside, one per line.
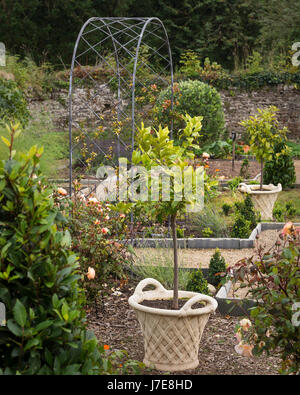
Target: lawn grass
(295,147)
(292,195)
(41,132)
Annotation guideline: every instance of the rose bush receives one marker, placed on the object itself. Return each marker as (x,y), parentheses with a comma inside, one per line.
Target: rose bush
(45,331)
(273,279)
(99,237)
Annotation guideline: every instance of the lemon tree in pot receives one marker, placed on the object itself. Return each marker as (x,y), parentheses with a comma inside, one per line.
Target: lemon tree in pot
(264,133)
(171,336)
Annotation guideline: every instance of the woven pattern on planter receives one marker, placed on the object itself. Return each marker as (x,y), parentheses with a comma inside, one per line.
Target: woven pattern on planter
(264,204)
(263,200)
(169,339)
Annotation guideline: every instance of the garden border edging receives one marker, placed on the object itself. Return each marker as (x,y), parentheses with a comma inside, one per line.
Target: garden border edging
(232,306)
(202,243)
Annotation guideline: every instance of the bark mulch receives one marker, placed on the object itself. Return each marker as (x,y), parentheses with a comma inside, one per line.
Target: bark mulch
(115,324)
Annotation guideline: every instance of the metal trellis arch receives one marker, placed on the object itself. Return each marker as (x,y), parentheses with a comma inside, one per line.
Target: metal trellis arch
(115,62)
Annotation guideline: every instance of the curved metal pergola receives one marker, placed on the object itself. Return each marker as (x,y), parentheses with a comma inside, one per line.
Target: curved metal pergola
(135,54)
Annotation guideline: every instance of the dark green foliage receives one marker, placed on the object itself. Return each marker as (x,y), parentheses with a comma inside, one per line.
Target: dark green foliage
(281,168)
(278,213)
(291,210)
(245,218)
(247,210)
(257,80)
(241,227)
(49,29)
(194,98)
(226,208)
(13,105)
(42,28)
(197,282)
(217,265)
(45,331)
(225,31)
(283,212)
(284,17)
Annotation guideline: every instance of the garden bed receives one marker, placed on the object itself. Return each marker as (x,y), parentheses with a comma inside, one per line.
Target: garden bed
(223,168)
(208,243)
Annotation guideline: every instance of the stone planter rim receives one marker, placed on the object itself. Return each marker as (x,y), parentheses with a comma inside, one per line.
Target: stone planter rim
(161,293)
(255,188)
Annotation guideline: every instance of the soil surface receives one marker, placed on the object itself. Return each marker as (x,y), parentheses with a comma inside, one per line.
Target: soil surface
(167,304)
(225,171)
(116,325)
(222,168)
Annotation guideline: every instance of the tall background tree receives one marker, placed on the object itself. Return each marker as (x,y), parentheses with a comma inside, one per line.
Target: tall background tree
(279,26)
(226,31)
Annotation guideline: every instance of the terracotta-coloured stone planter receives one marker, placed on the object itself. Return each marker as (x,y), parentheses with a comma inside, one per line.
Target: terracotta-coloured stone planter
(171,337)
(263,200)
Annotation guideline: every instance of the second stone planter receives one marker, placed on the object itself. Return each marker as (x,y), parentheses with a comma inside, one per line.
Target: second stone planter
(264,199)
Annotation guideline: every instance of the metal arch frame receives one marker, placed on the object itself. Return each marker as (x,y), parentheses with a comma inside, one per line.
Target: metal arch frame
(146,21)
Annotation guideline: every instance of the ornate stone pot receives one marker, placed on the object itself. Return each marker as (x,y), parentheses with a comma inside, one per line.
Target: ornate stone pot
(263,200)
(171,337)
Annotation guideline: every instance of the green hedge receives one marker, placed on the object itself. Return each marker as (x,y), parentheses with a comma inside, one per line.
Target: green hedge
(255,80)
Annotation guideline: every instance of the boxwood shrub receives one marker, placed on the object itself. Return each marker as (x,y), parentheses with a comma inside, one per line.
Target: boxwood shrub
(195,98)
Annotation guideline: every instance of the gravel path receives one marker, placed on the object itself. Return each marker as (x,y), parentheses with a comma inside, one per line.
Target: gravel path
(201,257)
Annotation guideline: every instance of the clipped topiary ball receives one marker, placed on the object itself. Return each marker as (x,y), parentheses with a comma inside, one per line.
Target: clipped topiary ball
(194,98)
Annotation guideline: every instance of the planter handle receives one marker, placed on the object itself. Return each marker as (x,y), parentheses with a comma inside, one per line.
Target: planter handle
(149,281)
(209,308)
(243,187)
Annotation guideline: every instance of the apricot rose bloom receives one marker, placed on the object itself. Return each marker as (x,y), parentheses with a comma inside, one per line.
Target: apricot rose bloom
(245,324)
(91,273)
(92,200)
(104,231)
(62,191)
(288,228)
(244,349)
(246,148)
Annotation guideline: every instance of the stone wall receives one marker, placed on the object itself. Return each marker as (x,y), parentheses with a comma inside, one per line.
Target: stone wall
(239,105)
